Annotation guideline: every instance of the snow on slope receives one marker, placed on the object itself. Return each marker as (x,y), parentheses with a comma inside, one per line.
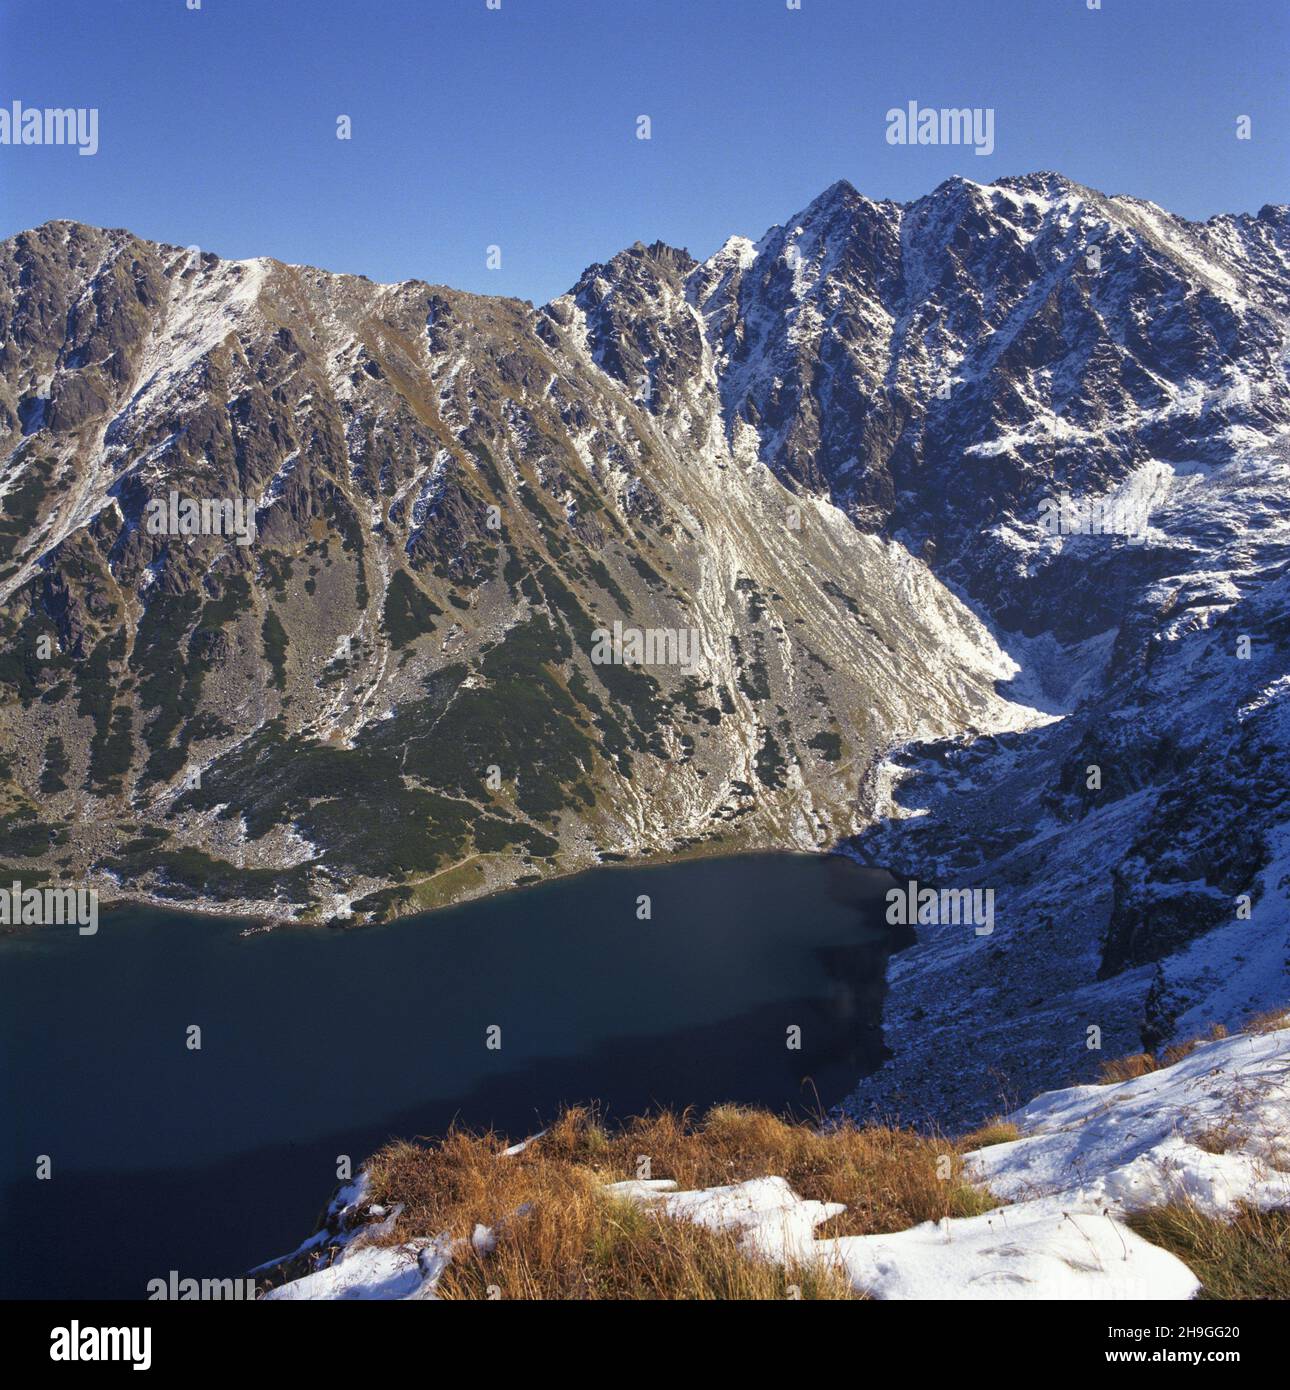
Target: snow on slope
(1152,1139)
(1088,1156)
(381,1273)
(1028,1251)
(1012,1253)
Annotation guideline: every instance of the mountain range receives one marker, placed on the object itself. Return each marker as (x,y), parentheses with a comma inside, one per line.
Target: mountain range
(831,457)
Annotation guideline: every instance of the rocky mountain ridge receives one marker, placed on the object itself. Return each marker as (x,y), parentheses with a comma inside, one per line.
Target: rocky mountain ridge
(827,453)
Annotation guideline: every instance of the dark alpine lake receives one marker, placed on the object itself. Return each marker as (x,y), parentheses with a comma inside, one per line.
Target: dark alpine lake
(316,1043)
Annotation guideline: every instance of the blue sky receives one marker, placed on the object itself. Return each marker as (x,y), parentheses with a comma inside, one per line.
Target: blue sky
(516,127)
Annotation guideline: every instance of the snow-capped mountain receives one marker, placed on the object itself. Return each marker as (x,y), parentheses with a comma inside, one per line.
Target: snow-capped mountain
(855,459)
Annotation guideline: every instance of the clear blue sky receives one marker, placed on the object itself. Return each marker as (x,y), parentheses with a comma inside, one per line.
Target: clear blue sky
(517,126)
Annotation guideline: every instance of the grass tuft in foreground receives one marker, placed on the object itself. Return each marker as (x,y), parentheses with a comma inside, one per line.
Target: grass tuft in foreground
(559,1235)
(996,1131)
(1138,1064)
(1247,1257)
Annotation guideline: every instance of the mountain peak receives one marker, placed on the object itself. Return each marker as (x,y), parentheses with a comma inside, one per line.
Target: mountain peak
(1046,182)
(839,196)
(838,190)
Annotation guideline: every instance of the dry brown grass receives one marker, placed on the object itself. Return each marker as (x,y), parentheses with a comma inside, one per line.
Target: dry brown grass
(1219,1138)
(1247,1257)
(589,1245)
(1126,1068)
(1270,1021)
(559,1235)
(996,1131)
(1142,1063)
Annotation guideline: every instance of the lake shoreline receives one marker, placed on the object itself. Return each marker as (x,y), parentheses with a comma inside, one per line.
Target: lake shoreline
(213,911)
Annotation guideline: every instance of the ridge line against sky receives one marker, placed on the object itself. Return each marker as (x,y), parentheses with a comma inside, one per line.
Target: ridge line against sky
(517,127)
(489,291)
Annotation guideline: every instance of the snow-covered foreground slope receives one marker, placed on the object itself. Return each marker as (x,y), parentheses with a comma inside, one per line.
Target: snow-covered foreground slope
(1015,1252)
(1213,1130)
(1027,1251)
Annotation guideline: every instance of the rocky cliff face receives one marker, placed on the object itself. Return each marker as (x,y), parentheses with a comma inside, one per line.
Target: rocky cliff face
(832,456)
(388,698)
